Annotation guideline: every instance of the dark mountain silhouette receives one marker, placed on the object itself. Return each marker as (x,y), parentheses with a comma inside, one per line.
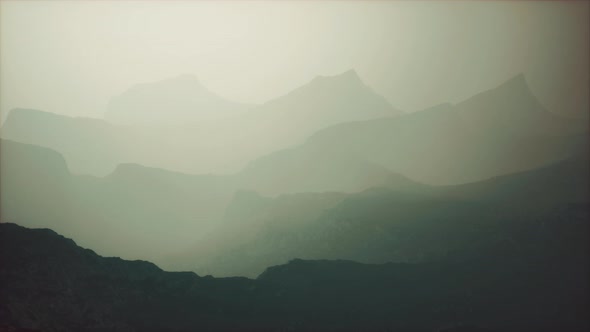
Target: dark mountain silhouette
(47,282)
(180,100)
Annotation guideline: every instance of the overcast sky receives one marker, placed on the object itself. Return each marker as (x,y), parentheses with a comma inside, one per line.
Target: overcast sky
(70,57)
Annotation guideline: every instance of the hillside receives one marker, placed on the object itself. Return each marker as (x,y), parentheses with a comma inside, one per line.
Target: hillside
(47,282)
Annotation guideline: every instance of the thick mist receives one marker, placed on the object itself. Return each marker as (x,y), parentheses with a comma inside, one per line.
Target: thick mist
(185,132)
(294,166)
(72,58)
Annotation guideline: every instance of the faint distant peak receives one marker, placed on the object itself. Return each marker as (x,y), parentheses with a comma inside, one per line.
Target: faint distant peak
(347,76)
(183,81)
(515,88)
(516,83)
(513,95)
(186,78)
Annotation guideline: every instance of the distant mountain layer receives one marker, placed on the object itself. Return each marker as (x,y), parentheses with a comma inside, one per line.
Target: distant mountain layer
(540,283)
(351,137)
(501,131)
(172,209)
(176,101)
(411,224)
(194,141)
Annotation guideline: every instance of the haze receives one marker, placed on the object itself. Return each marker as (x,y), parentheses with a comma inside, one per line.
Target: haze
(351,165)
(71,57)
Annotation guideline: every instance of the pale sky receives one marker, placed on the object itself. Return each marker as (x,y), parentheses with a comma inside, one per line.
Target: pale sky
(71,57)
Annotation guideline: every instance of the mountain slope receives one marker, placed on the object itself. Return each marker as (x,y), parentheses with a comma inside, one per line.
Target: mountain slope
(501,131)
(172,209)
(385,225)
(513,109)
(180,100)
(290,119)
(88,145)
(49,283)
(178,125)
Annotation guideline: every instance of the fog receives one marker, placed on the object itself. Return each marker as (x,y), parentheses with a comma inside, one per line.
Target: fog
(72,57)
(227,137)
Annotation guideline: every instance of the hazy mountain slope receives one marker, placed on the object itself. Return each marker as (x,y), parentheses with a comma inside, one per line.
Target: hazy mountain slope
(500,131)
(180,100)
(385,225)
(49,283)
(514,109)
(171,210)
(316,170)
(246,215)
(155,210)
(89,145)
(290,119)
(181,126)
(323,102)
(34,186)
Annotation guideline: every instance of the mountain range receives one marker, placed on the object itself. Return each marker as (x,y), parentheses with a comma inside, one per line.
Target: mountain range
(47,282)
(172,132)
(500,131)
(175,101)
(379,225)
(323,209)
(179,213)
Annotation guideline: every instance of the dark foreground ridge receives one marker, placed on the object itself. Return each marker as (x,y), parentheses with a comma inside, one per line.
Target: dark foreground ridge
(48,283)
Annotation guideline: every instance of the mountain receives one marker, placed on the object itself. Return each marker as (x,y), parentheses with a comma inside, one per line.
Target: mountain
(34,186)
(89,145)
(513,109)
(500,131)
(246,216)
(288,120)
(180,100)
(172,209)
(323,102)
(195,139)
(47,282)
(387,225)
